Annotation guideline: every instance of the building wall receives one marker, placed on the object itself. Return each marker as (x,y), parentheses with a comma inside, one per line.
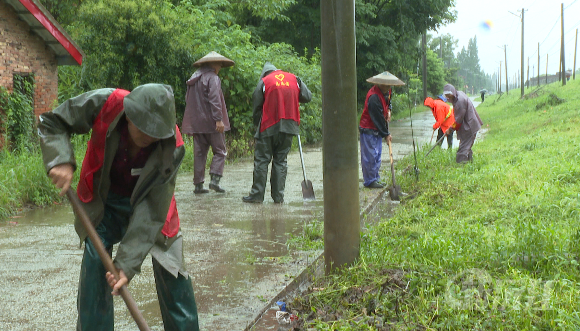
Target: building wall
(23,52)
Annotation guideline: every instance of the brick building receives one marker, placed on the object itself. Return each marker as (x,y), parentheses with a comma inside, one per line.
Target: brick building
(33,43)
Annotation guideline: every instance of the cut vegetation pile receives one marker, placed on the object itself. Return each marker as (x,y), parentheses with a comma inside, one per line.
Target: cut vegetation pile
(491,245)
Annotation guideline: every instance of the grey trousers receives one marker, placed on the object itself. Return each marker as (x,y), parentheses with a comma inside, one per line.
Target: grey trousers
(464,152)
(201,144)
(271,149)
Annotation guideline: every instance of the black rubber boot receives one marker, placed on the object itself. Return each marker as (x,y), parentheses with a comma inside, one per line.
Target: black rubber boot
(215,183)
(250,199)
(199,189)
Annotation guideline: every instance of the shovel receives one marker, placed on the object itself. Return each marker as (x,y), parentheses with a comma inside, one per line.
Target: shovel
(436,143)
(395,190)
(105,258)
(307,189)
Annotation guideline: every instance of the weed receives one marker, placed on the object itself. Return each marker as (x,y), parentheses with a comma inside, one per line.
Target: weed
(492,245)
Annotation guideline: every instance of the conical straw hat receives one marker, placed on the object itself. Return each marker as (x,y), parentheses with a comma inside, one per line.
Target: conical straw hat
(214,57)
(385,78)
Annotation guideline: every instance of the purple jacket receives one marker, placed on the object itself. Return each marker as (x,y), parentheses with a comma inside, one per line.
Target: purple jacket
(465,114)
(204,103)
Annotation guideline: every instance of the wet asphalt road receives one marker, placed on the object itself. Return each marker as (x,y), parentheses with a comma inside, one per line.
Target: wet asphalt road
(236,253)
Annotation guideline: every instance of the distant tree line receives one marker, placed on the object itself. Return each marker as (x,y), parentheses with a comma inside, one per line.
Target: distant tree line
(132,42)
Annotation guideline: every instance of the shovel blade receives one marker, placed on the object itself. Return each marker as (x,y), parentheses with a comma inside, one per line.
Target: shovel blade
(395,193)
(307,190)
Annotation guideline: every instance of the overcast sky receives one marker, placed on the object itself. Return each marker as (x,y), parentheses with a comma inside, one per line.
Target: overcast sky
(542,25)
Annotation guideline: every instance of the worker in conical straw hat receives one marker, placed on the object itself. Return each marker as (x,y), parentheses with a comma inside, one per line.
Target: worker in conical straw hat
(206,118)
(374,126)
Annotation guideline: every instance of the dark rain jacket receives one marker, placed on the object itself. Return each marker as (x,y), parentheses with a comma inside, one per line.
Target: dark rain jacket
(204,103)
(373,120)
(151,197)
(284,125)
(467,121)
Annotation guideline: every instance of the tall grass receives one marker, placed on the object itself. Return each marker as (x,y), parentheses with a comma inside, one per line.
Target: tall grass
(23,179)
(489,245)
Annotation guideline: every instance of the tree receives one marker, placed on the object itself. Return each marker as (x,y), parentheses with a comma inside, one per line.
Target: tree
(435,73)
(387,32)
(133,42)
(63,11)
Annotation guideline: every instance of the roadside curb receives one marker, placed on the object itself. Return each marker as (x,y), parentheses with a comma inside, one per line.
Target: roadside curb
(313,270)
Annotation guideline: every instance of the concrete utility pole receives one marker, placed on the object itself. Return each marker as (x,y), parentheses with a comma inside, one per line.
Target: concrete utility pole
(538,64)
(424,42)
(339,135)
(528,74)
(522,59)
(575,49)
(499,77)
(563,55)
(506,74)
(441,49)
(546,69)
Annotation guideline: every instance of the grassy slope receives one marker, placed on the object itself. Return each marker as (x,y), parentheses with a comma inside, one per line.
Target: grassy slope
(492,245)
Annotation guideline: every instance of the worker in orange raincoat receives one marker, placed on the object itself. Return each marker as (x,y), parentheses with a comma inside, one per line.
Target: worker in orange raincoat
(444,118)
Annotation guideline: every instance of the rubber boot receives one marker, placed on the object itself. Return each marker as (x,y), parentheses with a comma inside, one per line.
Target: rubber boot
(199,189)
(215,183)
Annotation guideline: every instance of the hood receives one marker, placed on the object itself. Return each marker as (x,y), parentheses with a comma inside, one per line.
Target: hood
(151,107)
(429,102)
(450,89)
(197,75)
(268,68)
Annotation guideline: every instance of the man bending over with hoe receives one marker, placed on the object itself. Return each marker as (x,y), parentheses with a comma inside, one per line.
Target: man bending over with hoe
(126,187)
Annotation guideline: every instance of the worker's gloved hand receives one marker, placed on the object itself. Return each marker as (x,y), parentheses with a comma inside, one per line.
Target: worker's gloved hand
(449,131)
(435,126)
(389,138)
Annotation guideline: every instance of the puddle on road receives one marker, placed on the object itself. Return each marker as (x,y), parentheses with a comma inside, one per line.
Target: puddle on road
(235,252)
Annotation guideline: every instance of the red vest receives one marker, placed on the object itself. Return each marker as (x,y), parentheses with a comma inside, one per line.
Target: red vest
(280,99)
(95,156)
(365,119)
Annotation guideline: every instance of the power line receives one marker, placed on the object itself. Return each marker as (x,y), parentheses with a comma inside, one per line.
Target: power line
(557,20)
(570,4)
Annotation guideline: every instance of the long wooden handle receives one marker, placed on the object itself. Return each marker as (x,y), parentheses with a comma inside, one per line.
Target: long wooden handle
(106,259)
(302,159)
(390,150)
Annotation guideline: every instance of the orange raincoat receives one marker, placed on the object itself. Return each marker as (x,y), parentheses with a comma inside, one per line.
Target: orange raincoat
(442,112)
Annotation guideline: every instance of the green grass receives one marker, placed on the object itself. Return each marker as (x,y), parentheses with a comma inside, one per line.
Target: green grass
(490,245)
(23,179)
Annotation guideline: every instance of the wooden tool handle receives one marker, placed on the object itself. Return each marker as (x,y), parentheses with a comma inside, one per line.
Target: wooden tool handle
(105,258)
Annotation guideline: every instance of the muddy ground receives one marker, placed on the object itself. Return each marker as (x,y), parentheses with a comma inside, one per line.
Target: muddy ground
(236,253)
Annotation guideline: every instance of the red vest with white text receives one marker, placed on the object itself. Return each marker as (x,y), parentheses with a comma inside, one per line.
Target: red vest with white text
(280,99)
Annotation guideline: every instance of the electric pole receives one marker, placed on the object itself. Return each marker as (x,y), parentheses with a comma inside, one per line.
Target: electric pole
(546,69)
(506,74)
(499,77)
(339,147)
(575,49)
(563,56)
(522,59)
(528,74)
(424,42)
(538,64)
